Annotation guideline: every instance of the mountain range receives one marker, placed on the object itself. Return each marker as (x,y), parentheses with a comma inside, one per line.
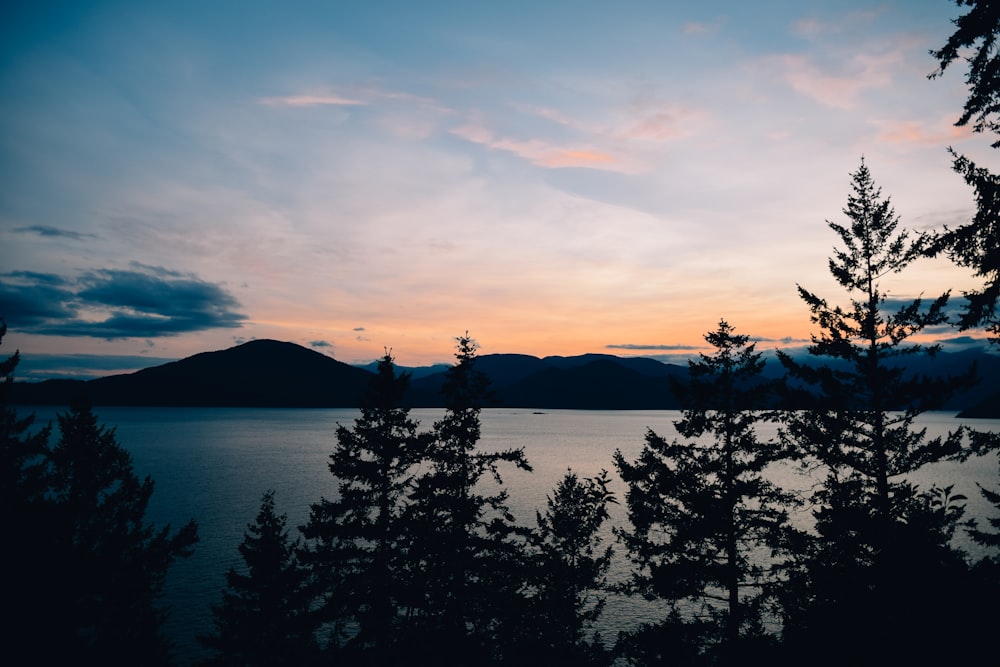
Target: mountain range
(269,373)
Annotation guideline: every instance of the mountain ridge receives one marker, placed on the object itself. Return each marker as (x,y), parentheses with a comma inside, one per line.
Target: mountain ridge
(270,373)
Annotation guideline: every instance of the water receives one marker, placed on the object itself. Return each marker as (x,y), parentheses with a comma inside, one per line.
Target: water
(213,465)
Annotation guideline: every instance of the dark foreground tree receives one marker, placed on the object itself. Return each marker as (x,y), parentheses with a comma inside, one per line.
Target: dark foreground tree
(25,514)
(709,531)
(264,619)
(883,557)
(357,542)
(974,244)
(568,569)
(465,548)
(107,565)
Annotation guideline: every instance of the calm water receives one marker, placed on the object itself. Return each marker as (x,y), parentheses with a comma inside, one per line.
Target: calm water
(213,465)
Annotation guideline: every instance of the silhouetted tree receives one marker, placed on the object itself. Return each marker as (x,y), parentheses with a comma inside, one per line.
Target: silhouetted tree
(878,534)
(465,549)
(974,244)
(708,529)
(108,563)
(357,541)
(264,619)
(25,514)
(568,571)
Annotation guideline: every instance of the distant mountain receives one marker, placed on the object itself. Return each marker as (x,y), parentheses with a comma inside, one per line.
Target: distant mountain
(268,373)
(260,373)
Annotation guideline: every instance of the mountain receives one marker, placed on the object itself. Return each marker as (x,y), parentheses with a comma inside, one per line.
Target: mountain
(268,373)
(260,373)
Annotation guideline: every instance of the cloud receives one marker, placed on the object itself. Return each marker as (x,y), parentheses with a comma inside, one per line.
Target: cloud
(536,151)
(310,101)
(36,367)
(51,232)
(113,304)
(633,346)
(358,329)
(920,132)
(839,91)
(320,343)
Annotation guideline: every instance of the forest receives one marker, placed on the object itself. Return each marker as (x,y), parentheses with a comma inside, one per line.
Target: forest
(412,563)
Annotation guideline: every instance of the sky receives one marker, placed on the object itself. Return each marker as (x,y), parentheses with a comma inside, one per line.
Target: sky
(554,178)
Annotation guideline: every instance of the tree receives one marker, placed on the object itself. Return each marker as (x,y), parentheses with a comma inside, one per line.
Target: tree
(708,529)
(974,244)
(569,564)
(357,541)
(878,533)
(464,544)
(265,615)
(25,515)
(108,565)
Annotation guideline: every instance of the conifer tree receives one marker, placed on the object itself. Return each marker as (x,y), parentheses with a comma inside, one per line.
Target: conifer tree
(708,530)
(109,563)
(26,516)
(464,543)
(568,572)
(974,244)
(878,533)
(264,619)
(357,541)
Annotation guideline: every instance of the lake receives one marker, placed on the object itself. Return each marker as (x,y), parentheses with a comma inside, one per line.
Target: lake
(213,465)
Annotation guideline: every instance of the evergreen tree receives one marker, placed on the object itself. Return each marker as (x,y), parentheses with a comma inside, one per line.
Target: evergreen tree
(974,244)
(708,529)
(568,569)
(109,564)
(26,516)
(357,541)
(465,547)
(264,619)
(878,534)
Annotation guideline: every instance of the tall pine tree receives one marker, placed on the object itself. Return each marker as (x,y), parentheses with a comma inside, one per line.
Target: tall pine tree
(708,530)
(357,541)
(878,535)
(464,544)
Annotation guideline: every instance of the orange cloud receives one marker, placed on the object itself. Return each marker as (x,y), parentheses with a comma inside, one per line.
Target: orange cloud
(918,132)
(536,151)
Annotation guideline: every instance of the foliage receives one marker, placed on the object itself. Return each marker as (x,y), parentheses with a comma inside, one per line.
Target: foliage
(465,549)
(877,533)
(106,566)
(568,568)
(709,531)
(357,542)
(974,244)
(265,615)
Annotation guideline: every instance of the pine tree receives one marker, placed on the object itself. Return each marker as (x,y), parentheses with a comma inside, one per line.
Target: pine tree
(464,544)
(357,542)
(708,529)
(28,556)
(878,533)
(110,564)
(569,566)
(974,244)
(265,619)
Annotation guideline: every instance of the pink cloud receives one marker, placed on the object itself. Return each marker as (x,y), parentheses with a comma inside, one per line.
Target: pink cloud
(837,91)
(310,101)
(921,133)
(536,151)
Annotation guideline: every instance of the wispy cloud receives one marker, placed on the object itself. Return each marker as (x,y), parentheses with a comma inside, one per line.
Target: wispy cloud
(635,346)
(310,101)
(537,151)
(840,89)
(915,132)
(51,232)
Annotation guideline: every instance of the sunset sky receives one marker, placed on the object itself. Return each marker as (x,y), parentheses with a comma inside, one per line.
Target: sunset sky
(555,177)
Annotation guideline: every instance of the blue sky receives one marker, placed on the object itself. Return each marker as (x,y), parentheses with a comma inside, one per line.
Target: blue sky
(555,178)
